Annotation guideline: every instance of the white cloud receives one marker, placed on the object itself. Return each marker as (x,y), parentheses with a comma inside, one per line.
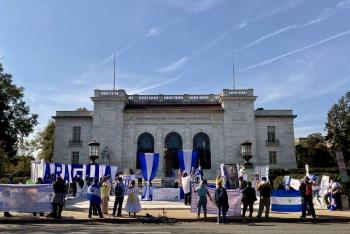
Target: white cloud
(290,5)
(174,66)
(156,31)
(196,5)
(344,33)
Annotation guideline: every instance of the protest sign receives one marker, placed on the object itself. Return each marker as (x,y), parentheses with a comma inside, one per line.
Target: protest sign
(166,194)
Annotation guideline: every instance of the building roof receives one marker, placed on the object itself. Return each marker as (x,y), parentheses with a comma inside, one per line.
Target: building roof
(73,114)
(274,113)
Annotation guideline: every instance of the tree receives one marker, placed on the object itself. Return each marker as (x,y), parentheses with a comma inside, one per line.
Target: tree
(314,152)
(16,121)
(46,140)
(25,154)
(82,109)
(338,126)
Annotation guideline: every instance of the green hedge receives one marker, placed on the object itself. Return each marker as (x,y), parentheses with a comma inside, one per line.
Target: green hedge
(16,180)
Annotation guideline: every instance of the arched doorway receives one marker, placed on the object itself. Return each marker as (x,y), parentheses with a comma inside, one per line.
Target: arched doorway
(201,144)
(172,143)
(145,144)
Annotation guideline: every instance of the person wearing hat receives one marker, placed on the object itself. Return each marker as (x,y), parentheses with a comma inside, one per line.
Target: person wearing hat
(306,198)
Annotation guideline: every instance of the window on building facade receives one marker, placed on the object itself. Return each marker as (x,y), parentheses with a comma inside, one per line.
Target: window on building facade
(201,144)
(145,144)
(76,137)
(75,157)
(173,141)
(271,134)
(273,157)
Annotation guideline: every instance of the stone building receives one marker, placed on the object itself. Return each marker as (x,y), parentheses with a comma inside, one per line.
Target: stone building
(213,125)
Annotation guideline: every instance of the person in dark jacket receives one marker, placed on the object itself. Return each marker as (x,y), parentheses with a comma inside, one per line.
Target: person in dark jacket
(306,198)
(221,200)
(119,197)
(264,188)
(242,183)
(57,200)
(248,199)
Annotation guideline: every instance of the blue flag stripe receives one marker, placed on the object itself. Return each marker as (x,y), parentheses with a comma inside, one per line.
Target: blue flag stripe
(286,208)
(285,193)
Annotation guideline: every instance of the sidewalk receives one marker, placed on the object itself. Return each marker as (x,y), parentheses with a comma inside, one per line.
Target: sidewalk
(76,211)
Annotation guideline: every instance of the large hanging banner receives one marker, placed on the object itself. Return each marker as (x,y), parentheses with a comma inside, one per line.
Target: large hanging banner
(49,171)
(149,166)
(234,201)
(25,198)
(187,160)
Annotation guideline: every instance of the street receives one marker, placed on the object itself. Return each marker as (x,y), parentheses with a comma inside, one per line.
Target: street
(270,228)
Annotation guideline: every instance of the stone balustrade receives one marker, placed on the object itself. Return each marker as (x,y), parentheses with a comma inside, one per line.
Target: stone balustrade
(186,98)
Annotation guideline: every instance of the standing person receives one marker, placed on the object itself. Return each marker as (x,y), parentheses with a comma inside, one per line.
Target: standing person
(336,192)
(57,200)
(242,183)
(10,180)
(221,200)
(105,193)
(39,181)
(316,190)
(139,178)
(248,199)
(203,192)
(186,185)
(94,192)
(119,197)
(306,198)
(265,197)
(133,203)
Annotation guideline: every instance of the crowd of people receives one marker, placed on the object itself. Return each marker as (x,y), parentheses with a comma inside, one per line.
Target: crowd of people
(99,191)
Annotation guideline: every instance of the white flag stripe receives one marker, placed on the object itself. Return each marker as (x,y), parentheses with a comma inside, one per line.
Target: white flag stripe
(286,200)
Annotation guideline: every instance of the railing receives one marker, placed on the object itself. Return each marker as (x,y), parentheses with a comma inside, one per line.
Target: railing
(210,98)
(75,142)
(275,142)
(109,93)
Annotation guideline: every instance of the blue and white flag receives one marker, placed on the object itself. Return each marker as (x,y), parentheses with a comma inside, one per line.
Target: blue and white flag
(149,166)
(187,160)
(286,201)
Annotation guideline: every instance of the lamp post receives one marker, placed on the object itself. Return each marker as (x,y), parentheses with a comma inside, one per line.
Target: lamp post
(246,153)
(94,151)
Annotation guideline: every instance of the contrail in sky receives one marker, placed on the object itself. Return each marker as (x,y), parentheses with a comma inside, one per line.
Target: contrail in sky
(294,51)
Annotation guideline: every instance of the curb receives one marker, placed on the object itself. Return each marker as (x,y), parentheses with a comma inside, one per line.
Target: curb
(182,220)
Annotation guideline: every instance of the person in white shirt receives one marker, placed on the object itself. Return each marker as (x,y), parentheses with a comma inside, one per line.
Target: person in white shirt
(186,185)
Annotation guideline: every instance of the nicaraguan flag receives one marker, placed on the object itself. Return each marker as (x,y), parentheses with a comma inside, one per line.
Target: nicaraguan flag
(187,160)
(286,201)
(149,166)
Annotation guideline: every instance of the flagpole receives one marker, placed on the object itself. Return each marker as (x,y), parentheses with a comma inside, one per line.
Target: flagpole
(114,73)
(233,71)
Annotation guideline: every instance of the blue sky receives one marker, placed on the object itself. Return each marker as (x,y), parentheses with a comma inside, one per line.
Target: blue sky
(295,54)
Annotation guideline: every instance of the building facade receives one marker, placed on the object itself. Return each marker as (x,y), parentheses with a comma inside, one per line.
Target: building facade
(213,125)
